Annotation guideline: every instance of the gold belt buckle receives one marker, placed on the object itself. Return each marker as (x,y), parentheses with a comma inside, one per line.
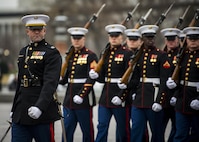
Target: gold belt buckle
(25,82)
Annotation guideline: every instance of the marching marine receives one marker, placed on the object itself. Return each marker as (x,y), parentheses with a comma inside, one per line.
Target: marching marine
(34,110)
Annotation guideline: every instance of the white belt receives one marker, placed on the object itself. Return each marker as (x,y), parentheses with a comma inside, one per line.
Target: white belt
(112,80)
(189,83)
(150,80)
(81,80)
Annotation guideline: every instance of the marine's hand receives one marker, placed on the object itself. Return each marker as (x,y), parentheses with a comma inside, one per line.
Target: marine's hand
(133,96)
(77,99)
(171,83)
(173,101)
(156,107)
(93,74)
(195,104)
(116,100)
(121,85)
(34,112)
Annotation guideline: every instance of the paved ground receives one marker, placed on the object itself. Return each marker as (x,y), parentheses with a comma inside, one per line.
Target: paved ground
(5,106)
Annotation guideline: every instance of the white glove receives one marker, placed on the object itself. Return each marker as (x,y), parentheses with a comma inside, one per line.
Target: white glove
(116,100)
(34,112)
(156,107)
(11,113)
(133,96)
(77,99)
(93,74)
(173,101)
(121,85)
(171,83)
(195,104)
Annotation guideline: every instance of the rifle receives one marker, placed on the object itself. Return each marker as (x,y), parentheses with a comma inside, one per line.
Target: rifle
(142,19)
(106,50)
(182,49)
(130,15)
(135,57)
(163,15)
(71,50)
(180,21)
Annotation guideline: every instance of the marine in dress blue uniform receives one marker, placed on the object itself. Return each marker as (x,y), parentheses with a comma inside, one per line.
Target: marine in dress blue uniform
(172,40)
(148,84)
(34,110)
(79,98)
(187,104)
(133,43)
(112,102)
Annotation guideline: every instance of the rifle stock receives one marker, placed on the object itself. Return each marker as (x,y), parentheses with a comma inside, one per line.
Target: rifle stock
(138,53)
(181,52)
(65,65)
(101,61)
(133,61)
(71,50)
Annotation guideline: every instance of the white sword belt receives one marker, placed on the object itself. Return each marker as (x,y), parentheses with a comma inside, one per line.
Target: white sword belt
(80,80)
(111,80)
(150,80)
(189,83)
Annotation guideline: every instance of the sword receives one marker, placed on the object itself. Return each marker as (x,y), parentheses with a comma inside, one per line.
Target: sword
(60,113)
(8,129)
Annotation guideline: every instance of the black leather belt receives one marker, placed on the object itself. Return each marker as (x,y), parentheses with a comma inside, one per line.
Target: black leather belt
(30,82)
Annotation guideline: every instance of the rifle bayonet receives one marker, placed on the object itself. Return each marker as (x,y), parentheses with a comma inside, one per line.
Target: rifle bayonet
(143,19)
(181,19)
(163,16)
(130,14)
(94,17)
